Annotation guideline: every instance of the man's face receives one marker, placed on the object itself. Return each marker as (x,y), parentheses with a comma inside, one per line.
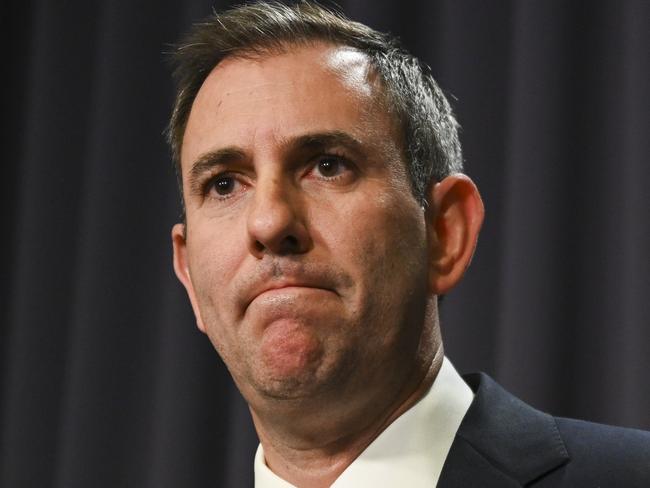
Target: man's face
(306,252)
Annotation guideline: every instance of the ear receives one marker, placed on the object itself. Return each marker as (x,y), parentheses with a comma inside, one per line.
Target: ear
(182,269)
(454,218)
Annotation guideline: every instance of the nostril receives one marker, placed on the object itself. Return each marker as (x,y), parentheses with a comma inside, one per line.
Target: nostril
(259,247)
(290,244)
(292,240)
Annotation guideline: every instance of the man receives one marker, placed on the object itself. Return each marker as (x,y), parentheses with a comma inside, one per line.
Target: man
(325,213)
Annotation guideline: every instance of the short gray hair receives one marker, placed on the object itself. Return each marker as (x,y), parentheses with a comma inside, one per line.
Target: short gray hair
(429,128)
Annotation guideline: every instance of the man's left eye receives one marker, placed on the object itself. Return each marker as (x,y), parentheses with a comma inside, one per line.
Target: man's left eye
(330,166)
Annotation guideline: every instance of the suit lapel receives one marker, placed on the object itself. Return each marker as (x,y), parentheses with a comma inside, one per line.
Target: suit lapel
(501,442)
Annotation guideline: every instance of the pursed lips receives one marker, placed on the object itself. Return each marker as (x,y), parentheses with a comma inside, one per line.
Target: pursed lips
(278,286)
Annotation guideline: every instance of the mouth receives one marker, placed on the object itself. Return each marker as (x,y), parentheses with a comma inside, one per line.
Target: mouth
(280,288)
(284,281)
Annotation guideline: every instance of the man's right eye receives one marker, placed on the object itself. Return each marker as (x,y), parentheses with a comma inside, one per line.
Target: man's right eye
(223,185)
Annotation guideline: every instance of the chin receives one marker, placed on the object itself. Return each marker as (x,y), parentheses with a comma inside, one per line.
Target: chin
(298,370)
(288,384)
(289,370)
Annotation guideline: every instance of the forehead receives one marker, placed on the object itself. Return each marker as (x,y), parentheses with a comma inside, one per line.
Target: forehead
(320,87)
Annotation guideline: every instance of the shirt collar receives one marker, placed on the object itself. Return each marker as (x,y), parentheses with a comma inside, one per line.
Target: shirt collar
(411,451)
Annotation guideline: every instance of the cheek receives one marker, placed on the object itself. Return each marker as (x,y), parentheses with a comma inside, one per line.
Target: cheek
(392,232)
(213,261)
(214,255)
(381,240)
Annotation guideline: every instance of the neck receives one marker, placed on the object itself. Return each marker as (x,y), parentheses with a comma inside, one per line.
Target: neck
(316,457)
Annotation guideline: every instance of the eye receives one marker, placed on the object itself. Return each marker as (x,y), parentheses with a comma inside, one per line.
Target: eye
(223,185)
(330,166)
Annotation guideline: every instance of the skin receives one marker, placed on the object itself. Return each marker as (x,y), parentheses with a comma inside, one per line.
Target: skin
(308,262)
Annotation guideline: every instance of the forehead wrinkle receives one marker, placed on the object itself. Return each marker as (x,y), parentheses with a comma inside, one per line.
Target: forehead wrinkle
(256,87)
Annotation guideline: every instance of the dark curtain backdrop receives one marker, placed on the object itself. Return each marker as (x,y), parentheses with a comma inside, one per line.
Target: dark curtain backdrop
(104,379)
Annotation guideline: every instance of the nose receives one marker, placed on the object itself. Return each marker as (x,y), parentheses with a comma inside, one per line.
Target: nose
(276,222)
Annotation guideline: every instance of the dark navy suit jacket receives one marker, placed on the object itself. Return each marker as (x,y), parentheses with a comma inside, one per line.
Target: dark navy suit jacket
(502,442)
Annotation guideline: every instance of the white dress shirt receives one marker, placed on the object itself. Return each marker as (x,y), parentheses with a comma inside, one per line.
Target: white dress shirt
(411,451)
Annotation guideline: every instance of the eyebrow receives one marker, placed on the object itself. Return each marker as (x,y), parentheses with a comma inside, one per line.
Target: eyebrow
(320,140)
(306,142)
